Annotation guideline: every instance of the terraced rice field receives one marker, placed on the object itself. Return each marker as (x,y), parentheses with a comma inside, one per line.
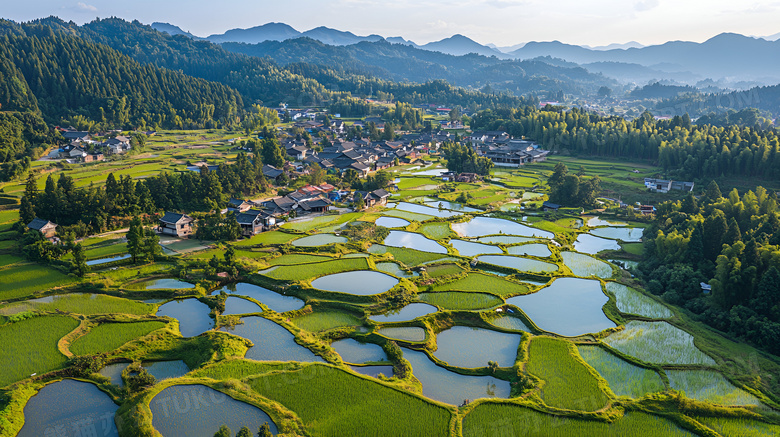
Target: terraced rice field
(658,342)
(711,386)
(313,270)
(454,300)
(624,378)
(109,336)
(481,282)
(630,301)
(322,320)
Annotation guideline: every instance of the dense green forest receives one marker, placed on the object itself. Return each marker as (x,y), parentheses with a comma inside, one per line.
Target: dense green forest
(71,77)
(684,150)
(764,98)
(732,243)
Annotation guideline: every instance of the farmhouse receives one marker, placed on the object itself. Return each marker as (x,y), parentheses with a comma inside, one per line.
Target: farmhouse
(664,186)
(255,221)
(45,227)
(550,207)
(179,225)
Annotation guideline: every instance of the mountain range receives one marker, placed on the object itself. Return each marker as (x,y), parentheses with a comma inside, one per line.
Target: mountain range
(728,56)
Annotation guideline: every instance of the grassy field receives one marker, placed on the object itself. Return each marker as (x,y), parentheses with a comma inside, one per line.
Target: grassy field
(509,420)
(657,342)
(568,383)
(437,230)
(707,385)
(484,283)
(443,270)
(313,270)
(25,279)
(273,237)
(453,300)
(624,378)
(726,426)
(109,336)
(322,320)
(630,301)
(37,351)
(332,402)
(410,257)
(86,304)
(633,248)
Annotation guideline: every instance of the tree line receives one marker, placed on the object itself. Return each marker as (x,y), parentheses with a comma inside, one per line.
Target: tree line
(732,243)
(683,149)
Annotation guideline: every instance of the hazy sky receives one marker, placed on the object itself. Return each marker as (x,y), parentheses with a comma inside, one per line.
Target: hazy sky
(502,22)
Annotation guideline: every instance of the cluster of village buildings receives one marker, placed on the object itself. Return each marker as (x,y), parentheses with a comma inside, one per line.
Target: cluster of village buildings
(82,146)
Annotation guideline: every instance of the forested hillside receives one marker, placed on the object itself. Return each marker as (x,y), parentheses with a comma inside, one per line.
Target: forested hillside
(70,77)
(683,150)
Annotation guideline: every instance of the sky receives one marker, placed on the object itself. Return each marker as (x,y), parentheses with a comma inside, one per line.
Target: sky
(501,22)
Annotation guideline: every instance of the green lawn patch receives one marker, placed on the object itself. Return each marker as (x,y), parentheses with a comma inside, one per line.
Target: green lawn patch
(332,402)
(314,270)
(484,283)
(109,336)
(568,383)
(30,346)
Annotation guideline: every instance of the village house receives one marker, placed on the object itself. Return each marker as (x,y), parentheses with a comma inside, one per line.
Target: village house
(179,225)
(45,227)
(372,198)
(239,205)
(254,221)
(664,186)
(550,207)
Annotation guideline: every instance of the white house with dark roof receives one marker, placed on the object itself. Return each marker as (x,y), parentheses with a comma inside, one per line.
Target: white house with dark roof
(45,227)
(178,225)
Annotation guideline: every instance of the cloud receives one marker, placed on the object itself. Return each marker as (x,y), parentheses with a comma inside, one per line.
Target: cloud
(646,5)
(83,7)
(501,4)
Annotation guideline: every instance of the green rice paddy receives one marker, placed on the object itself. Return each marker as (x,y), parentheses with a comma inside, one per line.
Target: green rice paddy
(487,283)
(624,378)
(658,342)
(109,336)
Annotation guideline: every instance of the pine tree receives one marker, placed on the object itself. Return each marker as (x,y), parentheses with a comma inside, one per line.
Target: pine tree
(733,235)
(135,239)
(79,260)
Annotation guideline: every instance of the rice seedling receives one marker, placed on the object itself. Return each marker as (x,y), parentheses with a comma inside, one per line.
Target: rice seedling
(78,303)
(436,230)
(484,283)
(493,419)
(30,346)
(241,368)
(658,342)
(710,386)
(584,265)
(453,300)
(411,216)
(305,225)
(21,280)
(410,257)
(333,402)
(568,383)
(297,258)
(443,270)
(728,426)
(631,301)
(313,270)
(272,237)
(624,378)
(110,336)
(322,320)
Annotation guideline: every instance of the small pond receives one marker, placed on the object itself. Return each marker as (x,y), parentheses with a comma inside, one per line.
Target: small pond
(587,243)
(392,222)
(625,234)
(597,221)
(584,265)
(427,210)
(319,240)
(237,305)
(193,316)
(395,270)
(505,239)
(536,249)
(518,263)
(68,405)
(273,300)
(359,282)
(470,248)
(413,240)
(464,346)
(409,312)
(374,371)
(107,260)
(271,341)
(168,283)
(355,352)
(199,411)
(510,322)
(166,369)
(453,388)
(114,372)
(403,333)
(569,307)
(483,226)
